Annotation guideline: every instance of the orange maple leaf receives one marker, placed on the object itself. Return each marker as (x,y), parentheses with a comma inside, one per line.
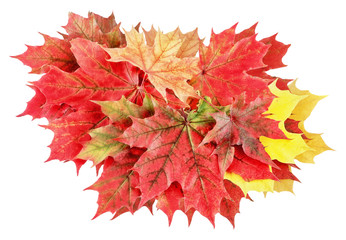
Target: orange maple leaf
(159,62)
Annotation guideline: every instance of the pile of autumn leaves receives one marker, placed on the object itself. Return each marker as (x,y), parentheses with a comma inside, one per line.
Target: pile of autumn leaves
(170,119)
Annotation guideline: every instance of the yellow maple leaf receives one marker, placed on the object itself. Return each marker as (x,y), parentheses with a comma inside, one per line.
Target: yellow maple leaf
(304,107)
(284,103)
(283,150)
(284,185)
(263,185)
(260,185)
(159,62)
(316,144)
(300,113)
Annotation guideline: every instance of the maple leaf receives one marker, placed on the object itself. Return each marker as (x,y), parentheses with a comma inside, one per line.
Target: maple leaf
(80,27)
(105,24)
(230,207)
(284,171)
(95,28)
(71,130)
(284,150)
(293,126)
(316,144)
(248,168)
(96,79)
(171,200)
(300,113)
(285,176)
(117,184)
(243,125)
(159,62)
(135,207)
(223,66)
(120,111)
(283,181)
(259,185)
(277,50)
(304,107)
(172,140)
(272,59)
(103,143)
(190,41)
(54,52)
(37,107)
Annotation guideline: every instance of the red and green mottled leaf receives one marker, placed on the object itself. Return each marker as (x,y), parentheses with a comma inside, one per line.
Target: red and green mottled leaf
(242,125)
(120,111)
(103,143)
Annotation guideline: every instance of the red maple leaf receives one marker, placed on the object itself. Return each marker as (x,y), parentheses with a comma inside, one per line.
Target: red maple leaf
(172,139)
(230,206)
(171,200)
(37,107)
(272,59)
(95,28)
(54,52)
(284,171)
(117,184)
(224,65)
(96,79)
(248,168)
(72,130)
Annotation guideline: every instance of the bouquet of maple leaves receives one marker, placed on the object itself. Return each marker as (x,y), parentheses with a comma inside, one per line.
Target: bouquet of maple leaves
(170,119)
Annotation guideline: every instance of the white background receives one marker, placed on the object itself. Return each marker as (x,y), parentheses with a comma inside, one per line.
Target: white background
(46,200)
